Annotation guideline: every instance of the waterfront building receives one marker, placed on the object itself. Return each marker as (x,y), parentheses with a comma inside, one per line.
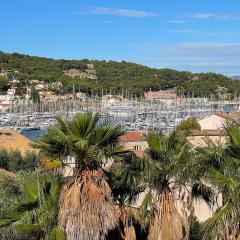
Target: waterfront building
(158,95)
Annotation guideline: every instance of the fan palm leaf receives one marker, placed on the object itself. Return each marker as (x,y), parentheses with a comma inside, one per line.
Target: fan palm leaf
(224,175)
(36,211)
(86,208)
(165,157)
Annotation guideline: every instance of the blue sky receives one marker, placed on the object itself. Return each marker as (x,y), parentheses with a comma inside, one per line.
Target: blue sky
(190,35)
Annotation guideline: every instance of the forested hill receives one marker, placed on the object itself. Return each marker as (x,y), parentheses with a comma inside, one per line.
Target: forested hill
(97,75)
(235,77)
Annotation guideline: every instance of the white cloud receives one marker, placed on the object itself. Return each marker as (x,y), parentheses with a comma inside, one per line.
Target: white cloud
(196,32)
(192,56)
(216,16)
(206,49)
(117,12)
(176,21)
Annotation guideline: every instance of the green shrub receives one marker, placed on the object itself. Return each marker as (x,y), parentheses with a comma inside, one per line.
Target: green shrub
(15,161)
(189,124)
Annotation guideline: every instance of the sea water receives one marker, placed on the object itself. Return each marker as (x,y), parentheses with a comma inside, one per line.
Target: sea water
(32,134)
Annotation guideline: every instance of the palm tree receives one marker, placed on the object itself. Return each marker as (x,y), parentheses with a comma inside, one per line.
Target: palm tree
(222,170)
(125,179)
(166,158)
(35,213)
(86,208)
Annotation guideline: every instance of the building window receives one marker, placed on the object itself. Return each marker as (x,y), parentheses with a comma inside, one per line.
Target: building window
(136,148)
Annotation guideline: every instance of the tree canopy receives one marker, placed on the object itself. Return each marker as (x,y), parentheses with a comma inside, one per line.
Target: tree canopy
(189,124)
(3,83)
(114,76)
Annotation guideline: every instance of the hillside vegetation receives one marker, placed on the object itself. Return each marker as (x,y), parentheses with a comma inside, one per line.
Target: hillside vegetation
(235,77)
(113,75)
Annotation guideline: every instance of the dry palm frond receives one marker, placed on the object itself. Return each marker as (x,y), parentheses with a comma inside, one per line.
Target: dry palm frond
(127,229)
(129,233)
(166,222)
(86,209)
(224,224)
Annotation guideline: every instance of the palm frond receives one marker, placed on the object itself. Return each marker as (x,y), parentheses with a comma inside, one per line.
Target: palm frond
(145,209)
(222,224)
(177,140)
(27,228)
(233,148)
(11,217)
(84,138)
(86,210)
(166,221)
(201,192)
(36,210)
(56,234)
(127,179)
(167,161)
(223,181)
(156,141)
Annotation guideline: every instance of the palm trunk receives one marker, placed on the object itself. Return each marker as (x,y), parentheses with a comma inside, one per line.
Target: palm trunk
(166,222)
(86,209)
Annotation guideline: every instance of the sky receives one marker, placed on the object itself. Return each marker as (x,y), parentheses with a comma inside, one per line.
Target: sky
(190,35)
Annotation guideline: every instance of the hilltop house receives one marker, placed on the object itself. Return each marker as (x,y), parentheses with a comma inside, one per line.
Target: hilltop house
(7,99)
(134,141)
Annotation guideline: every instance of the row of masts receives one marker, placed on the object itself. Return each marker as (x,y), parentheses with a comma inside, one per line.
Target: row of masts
(133,113)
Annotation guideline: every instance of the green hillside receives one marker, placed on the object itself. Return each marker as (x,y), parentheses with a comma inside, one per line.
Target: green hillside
(113,75)
(235,77)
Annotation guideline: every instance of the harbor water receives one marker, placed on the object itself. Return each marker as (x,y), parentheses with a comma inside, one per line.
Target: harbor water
(33,134)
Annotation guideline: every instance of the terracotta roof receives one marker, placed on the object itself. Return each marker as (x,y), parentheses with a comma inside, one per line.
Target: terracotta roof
(224,116)
(233,116)
(132,137)
(237,113)
(208,132)
(202,141)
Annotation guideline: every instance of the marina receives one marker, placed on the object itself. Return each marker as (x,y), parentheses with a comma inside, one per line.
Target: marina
(134,114)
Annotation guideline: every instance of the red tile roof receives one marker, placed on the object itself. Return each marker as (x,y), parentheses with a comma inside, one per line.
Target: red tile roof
(237,114)
(224,116)
(132,137)
(208,132)
(234,116)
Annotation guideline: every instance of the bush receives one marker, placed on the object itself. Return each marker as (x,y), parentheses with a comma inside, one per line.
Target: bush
(189,124)
(15,161)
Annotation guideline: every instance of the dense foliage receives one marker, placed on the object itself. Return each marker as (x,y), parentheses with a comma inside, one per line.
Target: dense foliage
(189,124)
(114,194)
(33,207)
(220,166)
(15,161)
(114,76)
(3,84)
